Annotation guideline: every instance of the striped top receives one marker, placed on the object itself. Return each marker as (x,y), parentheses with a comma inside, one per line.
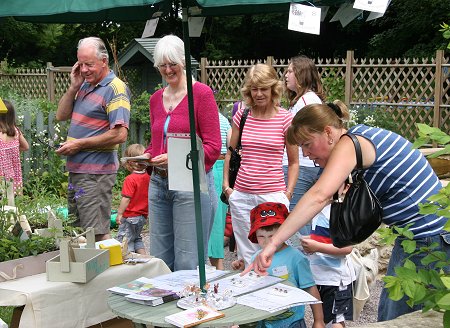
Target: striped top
(263,142)
(224,127)
(96,110)
(401,178)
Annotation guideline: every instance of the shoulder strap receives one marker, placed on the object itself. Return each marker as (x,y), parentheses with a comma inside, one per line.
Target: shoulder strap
(359,165)
(241,125)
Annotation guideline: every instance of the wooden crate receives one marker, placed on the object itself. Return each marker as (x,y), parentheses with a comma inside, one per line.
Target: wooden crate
(26,266)
(78,264)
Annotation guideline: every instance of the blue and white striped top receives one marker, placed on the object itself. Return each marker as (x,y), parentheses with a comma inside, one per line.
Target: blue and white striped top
(401,178)
(224,127)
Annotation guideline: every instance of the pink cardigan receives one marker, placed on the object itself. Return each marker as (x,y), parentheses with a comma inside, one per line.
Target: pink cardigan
(206,122)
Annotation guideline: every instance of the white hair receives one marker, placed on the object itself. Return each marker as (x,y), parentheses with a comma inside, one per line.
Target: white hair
(97,43)
(169,48)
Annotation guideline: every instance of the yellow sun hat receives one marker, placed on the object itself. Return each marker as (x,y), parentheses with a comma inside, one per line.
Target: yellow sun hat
(3,108)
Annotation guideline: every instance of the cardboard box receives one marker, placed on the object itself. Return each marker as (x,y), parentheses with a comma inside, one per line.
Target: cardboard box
(26,266)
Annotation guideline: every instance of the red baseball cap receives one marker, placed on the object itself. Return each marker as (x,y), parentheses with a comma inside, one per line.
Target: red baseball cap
(266,214)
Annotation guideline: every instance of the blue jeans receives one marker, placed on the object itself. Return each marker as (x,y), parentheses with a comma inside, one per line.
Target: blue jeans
(389,309)
(306,178)
(173,234)
(131,227)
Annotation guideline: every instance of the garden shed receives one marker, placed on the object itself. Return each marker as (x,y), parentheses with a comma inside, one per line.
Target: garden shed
(136,65)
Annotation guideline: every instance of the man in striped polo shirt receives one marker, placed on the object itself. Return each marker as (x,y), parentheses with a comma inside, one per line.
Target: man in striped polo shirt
(98,105)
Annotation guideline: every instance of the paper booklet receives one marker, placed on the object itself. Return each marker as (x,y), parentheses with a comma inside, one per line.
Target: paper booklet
(177,280)
(193,316)
(152,296)
(141,159)
(132,287)
(277,297)
(247,283)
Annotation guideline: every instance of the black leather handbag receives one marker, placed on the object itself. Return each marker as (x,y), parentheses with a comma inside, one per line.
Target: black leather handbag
(235,158)
(354,218)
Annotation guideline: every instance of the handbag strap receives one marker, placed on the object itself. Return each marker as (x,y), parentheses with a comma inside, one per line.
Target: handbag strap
(359,166)
(355,140)
(241,125)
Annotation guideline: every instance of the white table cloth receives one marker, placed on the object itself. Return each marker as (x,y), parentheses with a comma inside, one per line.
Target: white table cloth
(65,304)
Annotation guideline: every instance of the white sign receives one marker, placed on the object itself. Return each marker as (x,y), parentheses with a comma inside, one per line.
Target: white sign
(378,6)
(195,26)
(304,19)
(180,165)
(150,28)
(373,15)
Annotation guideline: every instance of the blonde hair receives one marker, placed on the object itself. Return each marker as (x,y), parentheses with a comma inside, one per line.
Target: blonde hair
(314,118)
(132,151)
(261,76)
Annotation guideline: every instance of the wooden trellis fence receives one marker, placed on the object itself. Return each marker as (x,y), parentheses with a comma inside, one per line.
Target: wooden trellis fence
(411,90)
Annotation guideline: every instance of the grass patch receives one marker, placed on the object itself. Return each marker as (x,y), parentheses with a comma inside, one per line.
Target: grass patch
(6,314)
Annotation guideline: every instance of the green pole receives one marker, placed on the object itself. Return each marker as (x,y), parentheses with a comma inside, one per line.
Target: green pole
(194,150)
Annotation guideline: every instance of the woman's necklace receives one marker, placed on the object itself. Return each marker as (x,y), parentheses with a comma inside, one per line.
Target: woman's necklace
(174,98)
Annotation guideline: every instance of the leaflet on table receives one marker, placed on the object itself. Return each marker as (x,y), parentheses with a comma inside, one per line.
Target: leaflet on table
(194,316)
(277,297)
(247,283)
(177,281)
(132,287)
(152,296)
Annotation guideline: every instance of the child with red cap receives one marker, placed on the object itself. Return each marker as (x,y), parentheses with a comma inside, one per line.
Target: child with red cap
(287,263)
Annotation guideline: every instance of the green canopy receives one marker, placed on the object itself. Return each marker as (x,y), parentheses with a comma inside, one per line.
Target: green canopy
(85,11)
(90,11)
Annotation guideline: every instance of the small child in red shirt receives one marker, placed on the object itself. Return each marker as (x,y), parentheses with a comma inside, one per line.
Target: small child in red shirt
(132,213)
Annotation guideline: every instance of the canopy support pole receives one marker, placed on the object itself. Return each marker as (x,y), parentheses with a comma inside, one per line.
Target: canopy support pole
(194,151)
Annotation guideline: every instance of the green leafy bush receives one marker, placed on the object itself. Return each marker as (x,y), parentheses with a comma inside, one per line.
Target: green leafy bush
(376,116)
(334,86)
(429,287)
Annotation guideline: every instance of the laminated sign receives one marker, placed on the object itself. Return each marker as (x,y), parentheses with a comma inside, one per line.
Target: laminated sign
(304,19)
(378,6)
(180,163)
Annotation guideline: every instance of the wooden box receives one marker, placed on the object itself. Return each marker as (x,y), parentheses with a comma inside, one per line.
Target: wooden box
(78,264)
(88,263)
(26,266)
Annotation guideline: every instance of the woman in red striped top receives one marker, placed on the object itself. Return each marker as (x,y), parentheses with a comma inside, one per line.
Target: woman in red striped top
(260,178)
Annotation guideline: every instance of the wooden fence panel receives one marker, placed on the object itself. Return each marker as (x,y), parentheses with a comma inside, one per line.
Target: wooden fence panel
(410,90)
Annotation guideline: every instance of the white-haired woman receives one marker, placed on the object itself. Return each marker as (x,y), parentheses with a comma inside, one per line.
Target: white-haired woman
(173,236)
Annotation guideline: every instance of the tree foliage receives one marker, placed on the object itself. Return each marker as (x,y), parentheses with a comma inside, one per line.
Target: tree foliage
(409,28)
